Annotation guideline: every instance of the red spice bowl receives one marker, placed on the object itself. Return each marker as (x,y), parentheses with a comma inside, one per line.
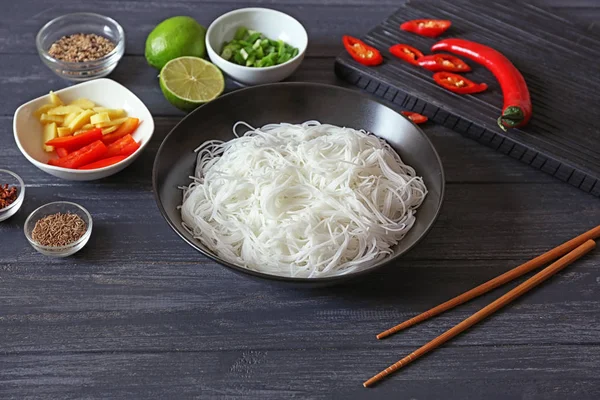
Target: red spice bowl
(29,131)
(12,180)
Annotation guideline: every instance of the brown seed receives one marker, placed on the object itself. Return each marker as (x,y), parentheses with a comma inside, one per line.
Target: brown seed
(58,229)
(81,47)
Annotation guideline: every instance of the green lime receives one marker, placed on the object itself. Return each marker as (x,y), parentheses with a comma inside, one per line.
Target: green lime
(175,37)
(188,82)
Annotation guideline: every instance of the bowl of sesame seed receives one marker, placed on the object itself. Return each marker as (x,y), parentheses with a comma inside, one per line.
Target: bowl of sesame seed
(58,229)
(81,46)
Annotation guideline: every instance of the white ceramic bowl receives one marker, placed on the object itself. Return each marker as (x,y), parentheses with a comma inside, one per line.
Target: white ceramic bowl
(274,25)
(104,92)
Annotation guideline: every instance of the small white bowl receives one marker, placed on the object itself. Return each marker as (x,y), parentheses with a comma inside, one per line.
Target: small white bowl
(274,25)
(104,92)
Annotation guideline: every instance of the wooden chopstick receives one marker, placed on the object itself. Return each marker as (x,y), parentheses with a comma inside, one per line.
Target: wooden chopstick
(488,310)
(497,281)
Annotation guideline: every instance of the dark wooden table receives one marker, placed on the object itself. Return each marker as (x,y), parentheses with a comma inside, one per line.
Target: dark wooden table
(139,314)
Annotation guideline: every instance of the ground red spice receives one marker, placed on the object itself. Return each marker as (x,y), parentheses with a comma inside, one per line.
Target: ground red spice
(7,195)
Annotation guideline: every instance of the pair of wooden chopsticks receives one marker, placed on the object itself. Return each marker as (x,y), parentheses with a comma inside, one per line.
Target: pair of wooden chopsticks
(568,251)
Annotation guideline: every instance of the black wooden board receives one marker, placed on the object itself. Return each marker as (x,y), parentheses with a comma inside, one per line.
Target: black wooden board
(556,58)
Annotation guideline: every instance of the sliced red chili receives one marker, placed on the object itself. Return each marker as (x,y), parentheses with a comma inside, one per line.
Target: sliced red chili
(415,117)
(406,53)
(427,27)
(443,62)
(362,52)
(458,83)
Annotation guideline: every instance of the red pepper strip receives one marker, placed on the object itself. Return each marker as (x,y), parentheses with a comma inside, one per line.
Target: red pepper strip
(61,152)
(105,162)
(86,155)
(71,143)
(443,62)
(406,53)
(426,27)
(517,107)
(362,52)
(126,128)
(125,146)
(415,117)
(458,83)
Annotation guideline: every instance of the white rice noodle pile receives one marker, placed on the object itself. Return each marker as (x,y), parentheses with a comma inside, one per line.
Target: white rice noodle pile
(308,200)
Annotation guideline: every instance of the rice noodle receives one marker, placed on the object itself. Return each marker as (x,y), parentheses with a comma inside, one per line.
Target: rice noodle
(307,200)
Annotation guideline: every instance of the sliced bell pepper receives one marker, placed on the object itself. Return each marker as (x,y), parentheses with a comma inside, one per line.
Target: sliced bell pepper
(457,83)
(105,162)
(61,152)
(406,53)
(426,27)
(415,117)
(71,143)
(362,52)
(86,155)
(125,146)
(126,128)
(443,62)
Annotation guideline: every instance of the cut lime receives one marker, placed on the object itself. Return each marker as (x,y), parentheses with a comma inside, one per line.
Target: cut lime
(188,82)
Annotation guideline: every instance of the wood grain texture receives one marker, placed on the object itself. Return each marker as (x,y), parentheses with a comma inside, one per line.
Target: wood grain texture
(139,314)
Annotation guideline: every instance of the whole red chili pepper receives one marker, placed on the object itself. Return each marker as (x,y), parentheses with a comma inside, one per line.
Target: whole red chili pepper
(415,117)
(517,107)
(443,62)
(458,83)
(426,27)
(362,52)
(406,53)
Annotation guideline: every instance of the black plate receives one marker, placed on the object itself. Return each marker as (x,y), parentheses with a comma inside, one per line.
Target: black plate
(294,103)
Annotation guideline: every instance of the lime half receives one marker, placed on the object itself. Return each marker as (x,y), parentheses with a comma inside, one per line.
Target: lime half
(188,82)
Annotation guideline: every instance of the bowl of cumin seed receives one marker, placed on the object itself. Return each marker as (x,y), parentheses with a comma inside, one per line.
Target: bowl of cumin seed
(58,229)
(81,46)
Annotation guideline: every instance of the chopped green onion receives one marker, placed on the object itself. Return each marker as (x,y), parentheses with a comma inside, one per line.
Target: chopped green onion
(252,49)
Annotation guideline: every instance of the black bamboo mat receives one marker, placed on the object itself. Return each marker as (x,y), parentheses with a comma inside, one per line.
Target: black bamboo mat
(558,60)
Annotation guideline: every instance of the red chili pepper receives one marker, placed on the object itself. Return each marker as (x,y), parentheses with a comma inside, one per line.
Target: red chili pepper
(71,143)
(105,162)
(61,152)
(517,107)
(123,147)
(458,83)
(406,53)
(426,27)
(443,62)
(362,52)
(86,155)
(415,117)
(126,128)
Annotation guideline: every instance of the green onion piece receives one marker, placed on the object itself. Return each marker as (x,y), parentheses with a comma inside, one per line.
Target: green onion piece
(285,57)
(253,37)
(274,43)
(270,50)
(295,52)
(244,54)
(280,48)
(264,43)
(256,44)
(240,33)
(238,58)
(250,61)
(259,52)
(227,53)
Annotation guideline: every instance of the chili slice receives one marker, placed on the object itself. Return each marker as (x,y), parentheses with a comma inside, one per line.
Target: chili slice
(517,107)
(443,62)
(426,27)
(362,52)
(458,83)
(406,53)
(86,155)
(71,143)
(105,162)
(415,117)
